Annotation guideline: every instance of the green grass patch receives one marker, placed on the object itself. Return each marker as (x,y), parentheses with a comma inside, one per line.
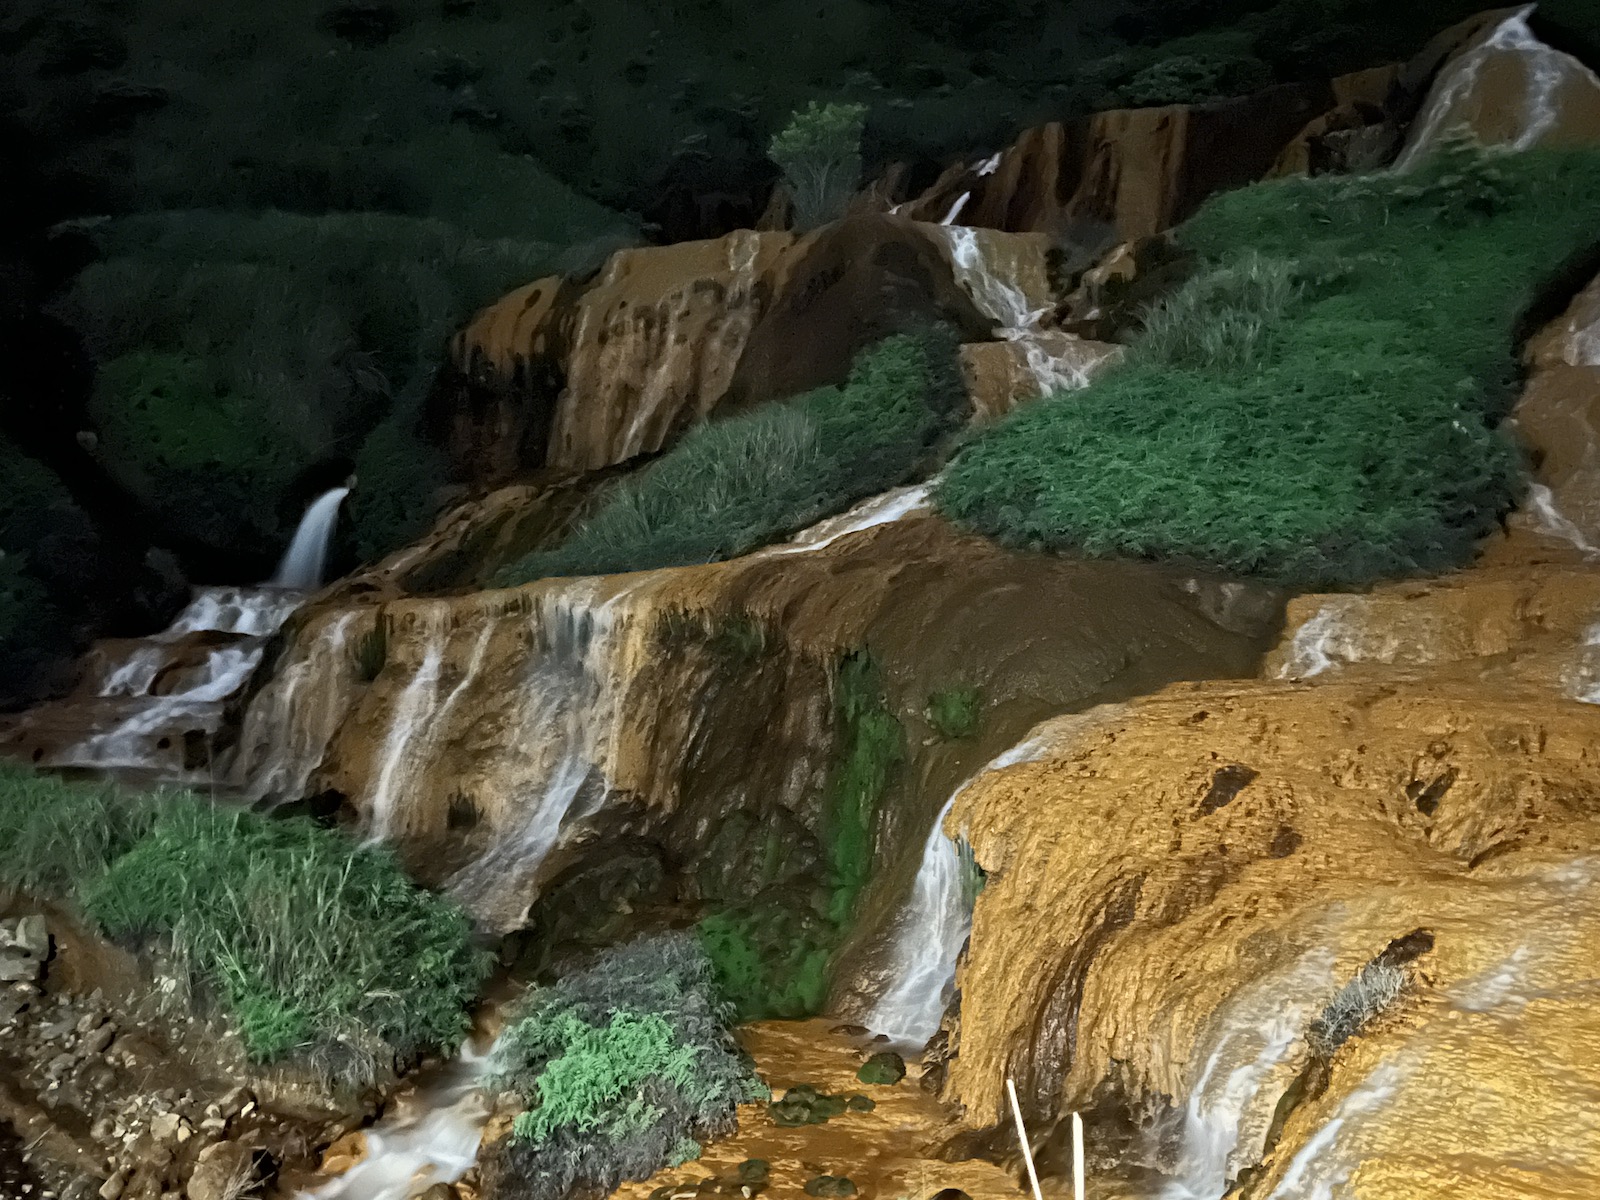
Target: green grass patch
(1320,405)
(954,712)
(730,486)
(317,948)
(625,1067)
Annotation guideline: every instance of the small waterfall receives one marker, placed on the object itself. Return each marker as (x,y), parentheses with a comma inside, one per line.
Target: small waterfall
(287,727)
(932,929)
(1057,361)
(564,744)
(307,555)
(159,699)
(420,718)
(878,510)
(429,1138)
(1543,515)
(1232,1103)
(1457,97)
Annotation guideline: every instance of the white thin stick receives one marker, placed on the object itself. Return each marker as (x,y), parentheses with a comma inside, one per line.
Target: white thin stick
(1022,1136)
(1077,1157)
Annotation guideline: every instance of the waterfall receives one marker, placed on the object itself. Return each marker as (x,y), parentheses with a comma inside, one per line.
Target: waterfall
(1455,96)
(878,510)
(126,725)
(289,723)
(1546,518)
(420,718)
(1057,361)
(428,1138)
(1236,1095)
(562,746)
(932,928)
(303,562)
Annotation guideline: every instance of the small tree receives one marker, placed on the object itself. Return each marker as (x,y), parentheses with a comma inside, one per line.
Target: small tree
(819,151)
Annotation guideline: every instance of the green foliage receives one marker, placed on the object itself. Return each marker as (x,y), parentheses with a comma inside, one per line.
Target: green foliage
(239,350)
(819,152)
(873,745)
(316,947)
(1343,427)
(732,485)
(44,540)
(1193,79)
(623,1065)
(55,835)
(300,930)
(1222,318)
(954,712)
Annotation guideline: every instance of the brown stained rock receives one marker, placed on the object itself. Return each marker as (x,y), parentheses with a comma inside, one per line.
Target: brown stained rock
(840,289)
(582,374)
(1142,170)
(344,1153)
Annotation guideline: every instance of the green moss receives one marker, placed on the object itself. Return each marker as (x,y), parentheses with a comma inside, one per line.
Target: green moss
(1338,423)
(873,745)
(954,712)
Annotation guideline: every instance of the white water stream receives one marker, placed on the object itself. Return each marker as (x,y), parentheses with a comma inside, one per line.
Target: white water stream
(428,1138)
(1456,96)
(307,555)
(932,929)
(1057,361)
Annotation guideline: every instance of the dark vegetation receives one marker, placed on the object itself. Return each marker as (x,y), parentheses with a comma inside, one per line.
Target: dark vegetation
(317,950)
(625,1067)
(730,486)
(1319,404)
(772,951)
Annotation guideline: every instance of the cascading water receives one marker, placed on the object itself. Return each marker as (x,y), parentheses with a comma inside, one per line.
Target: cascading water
(878,510)
(1457,96)
(1259,1036)
(1057,361)
(931,930)
(288,725)
(307,555)
(569,725)
(149,706)
(428,1138)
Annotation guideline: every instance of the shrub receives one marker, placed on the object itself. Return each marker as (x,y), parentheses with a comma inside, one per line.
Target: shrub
(314,946)
(625,1065)
(732,485)
(954,712)
(1222,317)
(1350,437)
(819,152)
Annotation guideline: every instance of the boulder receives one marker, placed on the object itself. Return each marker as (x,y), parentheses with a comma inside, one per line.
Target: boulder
(222,1171)
(24,948)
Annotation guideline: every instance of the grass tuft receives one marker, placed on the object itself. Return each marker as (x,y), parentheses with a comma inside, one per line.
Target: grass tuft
(624,1066)
(317,948)
(730,486)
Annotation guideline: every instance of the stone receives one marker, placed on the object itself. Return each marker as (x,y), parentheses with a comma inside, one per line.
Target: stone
(221,1170)
(24,947)
(830,1185)
(344,1153)
(169,1127)
(113,1187)
(99,1040)
(805,1105)
(885,1067)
